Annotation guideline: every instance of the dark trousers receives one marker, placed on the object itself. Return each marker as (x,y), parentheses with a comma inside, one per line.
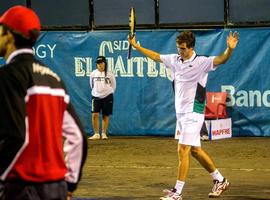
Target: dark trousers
(35,191)
(204,130)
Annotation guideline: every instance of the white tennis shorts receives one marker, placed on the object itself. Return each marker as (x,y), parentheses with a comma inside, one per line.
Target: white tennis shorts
(189,125)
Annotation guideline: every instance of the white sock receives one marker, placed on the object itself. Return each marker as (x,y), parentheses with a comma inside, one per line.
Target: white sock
(216,175)
(179,186)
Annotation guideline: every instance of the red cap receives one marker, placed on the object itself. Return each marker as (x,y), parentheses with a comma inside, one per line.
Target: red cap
(21,20)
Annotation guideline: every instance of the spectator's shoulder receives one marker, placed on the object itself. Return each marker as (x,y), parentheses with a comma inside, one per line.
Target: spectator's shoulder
(110,73)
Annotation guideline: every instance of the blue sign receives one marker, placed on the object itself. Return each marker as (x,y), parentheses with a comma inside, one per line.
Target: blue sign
(144,99)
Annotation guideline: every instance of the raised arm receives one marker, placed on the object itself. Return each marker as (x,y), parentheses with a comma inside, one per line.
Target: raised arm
(232,41)
(147,52)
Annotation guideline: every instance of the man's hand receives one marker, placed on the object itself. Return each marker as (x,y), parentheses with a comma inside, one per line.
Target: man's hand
(232,39)
(132,41)
(147,52)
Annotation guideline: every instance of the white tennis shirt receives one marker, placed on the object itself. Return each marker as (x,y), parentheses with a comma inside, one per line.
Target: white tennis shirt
(102,86)
(190,78)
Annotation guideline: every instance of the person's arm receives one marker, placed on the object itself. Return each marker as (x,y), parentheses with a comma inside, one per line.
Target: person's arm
(91,80)
(113,82)
(13,123)
(147,52)
(75,147)
(232,41)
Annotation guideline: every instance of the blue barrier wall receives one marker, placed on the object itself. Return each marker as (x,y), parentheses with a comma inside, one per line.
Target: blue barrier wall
(144,103)
(112,14)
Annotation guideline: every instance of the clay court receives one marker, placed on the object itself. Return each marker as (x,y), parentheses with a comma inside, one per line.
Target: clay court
(129,168)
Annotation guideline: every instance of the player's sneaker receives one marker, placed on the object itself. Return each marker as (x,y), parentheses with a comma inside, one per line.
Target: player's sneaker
(219,188)
(169,192)
(96,136)
(104,136)
(172,196)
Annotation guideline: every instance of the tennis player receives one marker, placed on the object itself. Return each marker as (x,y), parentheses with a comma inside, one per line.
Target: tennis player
(190,78)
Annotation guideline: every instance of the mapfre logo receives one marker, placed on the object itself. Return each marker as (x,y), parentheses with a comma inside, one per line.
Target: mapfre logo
(225,131)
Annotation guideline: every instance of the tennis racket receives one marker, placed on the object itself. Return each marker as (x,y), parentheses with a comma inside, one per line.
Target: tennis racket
(132,28)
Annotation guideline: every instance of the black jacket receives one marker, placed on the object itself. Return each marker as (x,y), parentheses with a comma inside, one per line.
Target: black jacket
(35,116)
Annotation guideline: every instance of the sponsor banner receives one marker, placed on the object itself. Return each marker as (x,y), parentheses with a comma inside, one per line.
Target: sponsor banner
(144,99)
(219,129)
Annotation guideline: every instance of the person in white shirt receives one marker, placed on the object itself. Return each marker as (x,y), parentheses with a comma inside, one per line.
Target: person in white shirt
(103,85)
(190,76)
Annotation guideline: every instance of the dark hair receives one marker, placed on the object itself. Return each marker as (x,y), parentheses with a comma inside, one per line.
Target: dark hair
(20,40)
(101,59)
(186,37)
(106,68)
